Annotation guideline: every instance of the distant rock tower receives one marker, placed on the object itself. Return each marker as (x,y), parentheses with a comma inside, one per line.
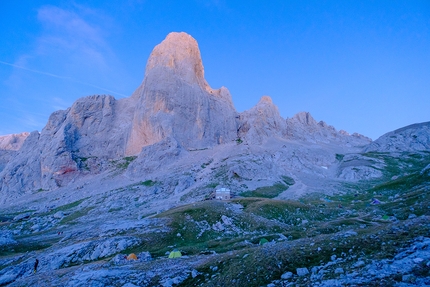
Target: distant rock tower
(174,100)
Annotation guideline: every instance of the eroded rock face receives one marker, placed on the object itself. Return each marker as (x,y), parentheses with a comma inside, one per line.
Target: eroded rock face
(13,141)
(411,138)
(175,101)
(75,141)
(9,146)
(261,122)
(303,126)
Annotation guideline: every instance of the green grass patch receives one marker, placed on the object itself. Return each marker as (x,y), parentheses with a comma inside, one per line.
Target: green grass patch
(266,191)
(115,209)
(212,185)
(23,247)
(68,206)
(124,162)
(147,183)
(75,215)
(191,229)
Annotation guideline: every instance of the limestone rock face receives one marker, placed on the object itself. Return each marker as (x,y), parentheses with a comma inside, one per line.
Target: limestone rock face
(303,126)
(180,53)
(9,145)
(411,138)
(23,171)
(13,141)
(175,101)
(156,157)
(261,122)
(170,117)
(75,141)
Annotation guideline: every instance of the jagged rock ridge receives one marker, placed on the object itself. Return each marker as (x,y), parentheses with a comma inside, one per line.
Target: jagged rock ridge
(411,138)
(173,109)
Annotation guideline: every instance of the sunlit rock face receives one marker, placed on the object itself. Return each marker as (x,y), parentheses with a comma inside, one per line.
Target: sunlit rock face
(175,100)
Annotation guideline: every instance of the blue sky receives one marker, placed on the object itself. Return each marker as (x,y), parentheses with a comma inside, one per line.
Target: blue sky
(361,66)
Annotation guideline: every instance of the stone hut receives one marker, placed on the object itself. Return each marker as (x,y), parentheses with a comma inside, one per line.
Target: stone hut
(222,194)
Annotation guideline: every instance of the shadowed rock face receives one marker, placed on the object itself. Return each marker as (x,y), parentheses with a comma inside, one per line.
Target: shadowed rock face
(75,141)
(175,101)
(411,138)
(9,145)
(303,126)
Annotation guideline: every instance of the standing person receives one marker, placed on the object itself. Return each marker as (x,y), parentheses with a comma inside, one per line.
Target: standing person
(35,265)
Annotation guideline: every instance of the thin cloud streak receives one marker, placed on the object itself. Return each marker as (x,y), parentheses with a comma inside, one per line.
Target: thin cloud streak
(64,78)
(34,71)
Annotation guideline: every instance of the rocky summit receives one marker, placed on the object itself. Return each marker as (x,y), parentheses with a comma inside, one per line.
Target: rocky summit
(173,187)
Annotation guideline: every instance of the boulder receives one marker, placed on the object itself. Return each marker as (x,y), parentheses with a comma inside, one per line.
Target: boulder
(302,271)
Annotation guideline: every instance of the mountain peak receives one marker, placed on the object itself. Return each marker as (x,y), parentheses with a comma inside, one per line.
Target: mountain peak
(178,52)
(304,118)
(265,99)
(175,100)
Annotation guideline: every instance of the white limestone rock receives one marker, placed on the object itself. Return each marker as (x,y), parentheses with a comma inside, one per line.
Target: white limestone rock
(261,122)
(13,141)
(76,141)
(411,138)
(303,126)
(302,271)
(157,156)
(86,251)
(174,100)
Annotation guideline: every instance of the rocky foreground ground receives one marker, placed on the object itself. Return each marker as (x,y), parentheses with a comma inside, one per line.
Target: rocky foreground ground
(370,234)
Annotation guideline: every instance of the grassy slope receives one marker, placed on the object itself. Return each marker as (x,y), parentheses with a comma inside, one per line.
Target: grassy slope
(380,228)
(296,229)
